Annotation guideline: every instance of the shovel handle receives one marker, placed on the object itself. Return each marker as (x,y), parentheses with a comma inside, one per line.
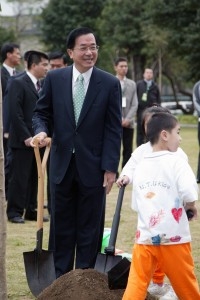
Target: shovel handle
(115,223)
(41,167)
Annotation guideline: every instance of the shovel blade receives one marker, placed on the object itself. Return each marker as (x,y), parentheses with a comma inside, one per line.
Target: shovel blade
(40,270)
(105,262)
(118,275)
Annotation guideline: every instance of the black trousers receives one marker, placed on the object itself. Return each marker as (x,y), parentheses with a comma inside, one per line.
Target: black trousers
(76,222)
(127,143)
(22,185)
(140,139)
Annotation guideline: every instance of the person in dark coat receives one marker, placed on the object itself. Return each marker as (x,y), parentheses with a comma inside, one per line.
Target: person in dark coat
(22,96)
(148,94)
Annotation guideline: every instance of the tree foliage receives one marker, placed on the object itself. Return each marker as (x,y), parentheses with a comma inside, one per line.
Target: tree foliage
(148,33)
(121,25)
(182,19)
(60,17)
(6,35)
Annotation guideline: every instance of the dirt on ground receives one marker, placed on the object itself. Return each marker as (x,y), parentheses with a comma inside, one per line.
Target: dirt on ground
(79,284)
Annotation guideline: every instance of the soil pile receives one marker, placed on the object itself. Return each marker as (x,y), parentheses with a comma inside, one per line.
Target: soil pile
(81,285)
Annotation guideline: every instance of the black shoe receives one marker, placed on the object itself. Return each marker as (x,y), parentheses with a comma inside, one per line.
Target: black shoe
(198,180)
(17,220)
(34,218)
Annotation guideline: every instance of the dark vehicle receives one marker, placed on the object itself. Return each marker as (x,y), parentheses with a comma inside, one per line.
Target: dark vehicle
(183,105)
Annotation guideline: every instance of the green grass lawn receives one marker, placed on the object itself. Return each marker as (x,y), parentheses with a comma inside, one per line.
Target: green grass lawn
(22,237)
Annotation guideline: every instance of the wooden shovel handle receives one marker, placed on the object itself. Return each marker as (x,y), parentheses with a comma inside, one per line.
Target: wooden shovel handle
(41,167)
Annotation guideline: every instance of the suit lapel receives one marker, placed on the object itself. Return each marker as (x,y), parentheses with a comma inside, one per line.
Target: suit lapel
(30,84)
(67,84)
(93,90)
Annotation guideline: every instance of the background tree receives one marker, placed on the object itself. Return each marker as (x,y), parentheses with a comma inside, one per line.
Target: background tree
(120,25)
(182,19)
(6,35)
(3,219)
(60,17)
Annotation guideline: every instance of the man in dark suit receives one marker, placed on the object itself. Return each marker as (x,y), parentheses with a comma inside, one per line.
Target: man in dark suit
(148,94)
(85,150)
(10,57)
(22,97)
(57,60)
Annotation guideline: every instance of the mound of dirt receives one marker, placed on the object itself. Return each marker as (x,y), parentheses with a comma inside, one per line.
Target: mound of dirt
(81,285)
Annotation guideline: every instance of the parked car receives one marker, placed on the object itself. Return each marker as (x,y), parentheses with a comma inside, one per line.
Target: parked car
(184,104)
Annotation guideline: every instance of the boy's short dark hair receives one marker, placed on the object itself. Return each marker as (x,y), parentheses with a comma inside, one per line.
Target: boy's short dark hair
(156,108)
(157,123)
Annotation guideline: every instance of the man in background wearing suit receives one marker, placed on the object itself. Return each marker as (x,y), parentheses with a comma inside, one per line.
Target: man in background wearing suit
(10,57)
(148,94)
(57,60)
(22,97)
(85,150)
(129,107)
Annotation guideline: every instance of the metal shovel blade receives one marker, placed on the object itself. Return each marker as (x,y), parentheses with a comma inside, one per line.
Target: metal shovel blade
(105,262)
(40,270)
(118,275)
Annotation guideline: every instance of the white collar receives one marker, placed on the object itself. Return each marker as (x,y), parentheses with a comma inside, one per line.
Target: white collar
(86,75)
(9,69)
(32,77)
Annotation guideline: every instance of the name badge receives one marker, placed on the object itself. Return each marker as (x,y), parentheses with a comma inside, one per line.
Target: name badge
(123,101)
(144,97)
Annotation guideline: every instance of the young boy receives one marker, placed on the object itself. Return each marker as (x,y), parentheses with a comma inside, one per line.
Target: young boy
(164,188)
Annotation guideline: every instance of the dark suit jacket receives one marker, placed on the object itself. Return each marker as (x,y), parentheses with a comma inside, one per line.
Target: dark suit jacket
(97,136)
(4,79)
(22,97)
(6,115)
(153,95)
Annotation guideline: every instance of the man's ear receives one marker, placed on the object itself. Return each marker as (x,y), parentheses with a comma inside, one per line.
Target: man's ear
(164,135)
(70,53)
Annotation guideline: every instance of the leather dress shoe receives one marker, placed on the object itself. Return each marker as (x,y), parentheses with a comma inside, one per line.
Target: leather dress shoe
(33,217)
(17,220)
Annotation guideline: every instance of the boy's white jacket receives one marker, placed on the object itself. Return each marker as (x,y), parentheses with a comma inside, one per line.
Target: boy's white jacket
(162,183)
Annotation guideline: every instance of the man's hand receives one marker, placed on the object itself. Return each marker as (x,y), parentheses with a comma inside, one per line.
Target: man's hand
(28,141)
(109,179)
(42,141)
(125,123)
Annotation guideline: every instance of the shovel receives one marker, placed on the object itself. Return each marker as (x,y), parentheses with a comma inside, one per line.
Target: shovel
(106,262)
(39,263)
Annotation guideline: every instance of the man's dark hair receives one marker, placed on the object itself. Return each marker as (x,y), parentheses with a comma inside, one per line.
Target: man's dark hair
(157,123)
(58,55)
(27,53)
(120,59)
(75,33)
(7,48)
(35,57)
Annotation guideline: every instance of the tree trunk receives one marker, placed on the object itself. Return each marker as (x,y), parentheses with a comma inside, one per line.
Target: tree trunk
(3,283)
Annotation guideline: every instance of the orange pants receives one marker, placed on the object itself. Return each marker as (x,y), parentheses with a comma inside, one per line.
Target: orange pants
(175,260)
(158,275)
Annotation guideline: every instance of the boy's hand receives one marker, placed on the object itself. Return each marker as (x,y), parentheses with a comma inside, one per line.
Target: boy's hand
(124,180)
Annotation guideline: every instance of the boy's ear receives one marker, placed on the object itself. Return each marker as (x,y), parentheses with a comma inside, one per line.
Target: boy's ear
(164,135)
